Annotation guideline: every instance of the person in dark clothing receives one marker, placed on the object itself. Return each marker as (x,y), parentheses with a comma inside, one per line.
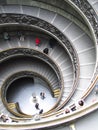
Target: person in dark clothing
(52,43)
(42,94)
(37,105)
(46,51)
(21,36)
(73,107)
(81,102)
(41,111)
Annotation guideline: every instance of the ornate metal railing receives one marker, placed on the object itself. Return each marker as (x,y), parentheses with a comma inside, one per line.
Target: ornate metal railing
(89,12)
(91,15)
(34,53)
(45,26)
(55,122)
(25,20)
(11,79)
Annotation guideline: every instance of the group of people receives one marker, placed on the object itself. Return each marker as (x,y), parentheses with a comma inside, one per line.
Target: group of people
(42,96)
(38,42)
(52,43)
(21,37)
(37,107)
(74,106)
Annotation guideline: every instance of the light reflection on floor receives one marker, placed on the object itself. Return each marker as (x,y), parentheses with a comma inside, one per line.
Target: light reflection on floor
(24,97)
(45,104)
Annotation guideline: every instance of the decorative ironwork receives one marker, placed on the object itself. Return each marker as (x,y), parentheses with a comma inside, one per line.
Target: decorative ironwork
(29,20)
(32,53)
(89,13)
(14,77)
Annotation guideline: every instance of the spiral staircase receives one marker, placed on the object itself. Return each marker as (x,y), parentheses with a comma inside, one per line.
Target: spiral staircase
(67,73)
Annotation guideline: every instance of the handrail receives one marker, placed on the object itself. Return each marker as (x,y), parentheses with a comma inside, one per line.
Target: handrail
(34,53)
(54,32)
(50,122)
(21,112)
(58,9)
(62,112)
(15,109)
(22,74)
(89,12)
(87,92)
